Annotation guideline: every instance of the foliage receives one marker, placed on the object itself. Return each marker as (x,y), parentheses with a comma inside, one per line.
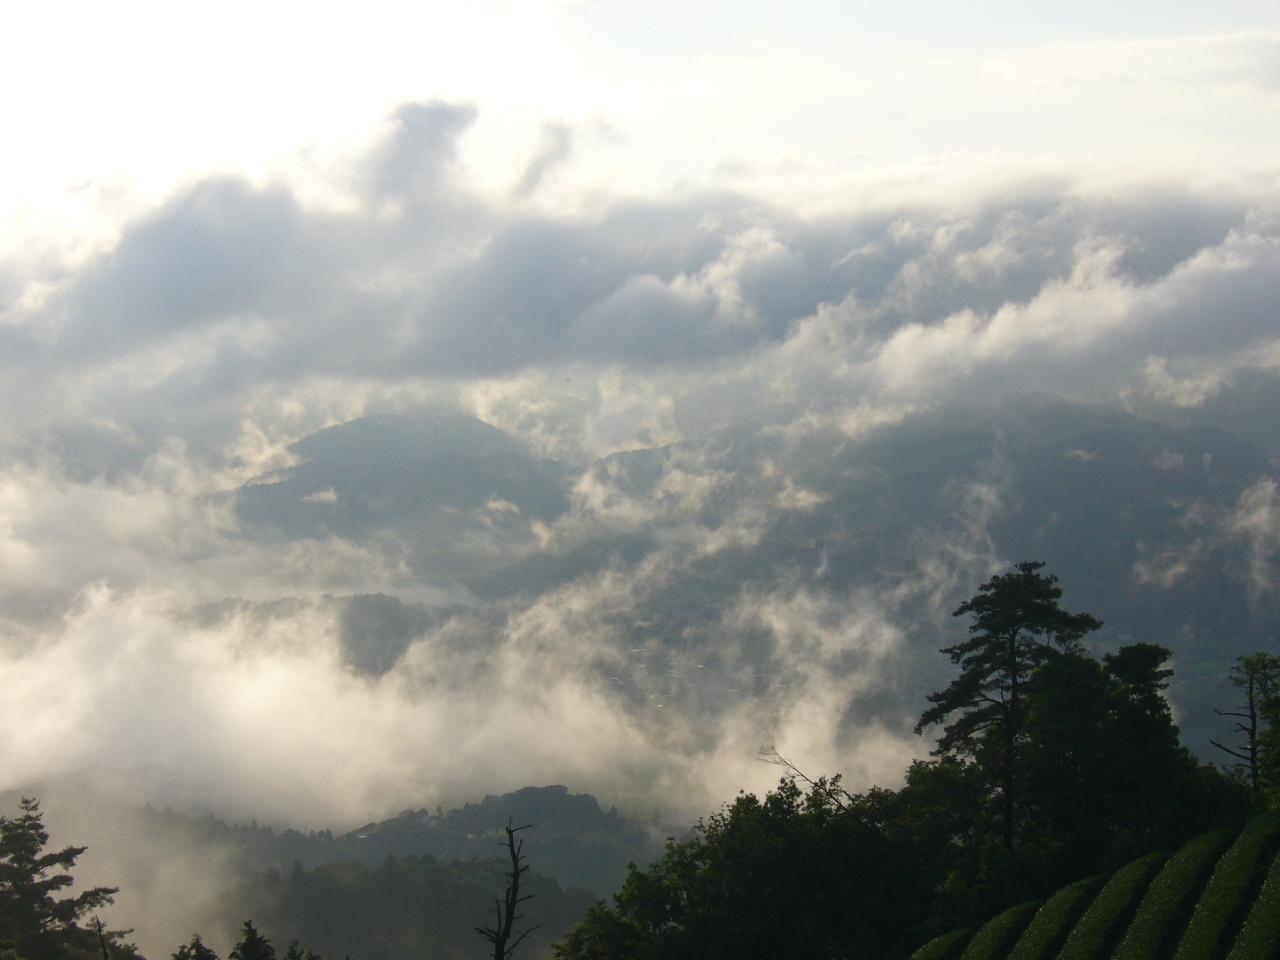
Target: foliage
(34,922)
(1097,771)
(1228,887)
(1017,623)
(1252,906)
(944,946)
(296,951)
(1114,903)
(993,938)
(411,907)
(1256,719)
(1077,760)
(1052,922)
(252,945)
(1170,896)
(195,950)
(793,874)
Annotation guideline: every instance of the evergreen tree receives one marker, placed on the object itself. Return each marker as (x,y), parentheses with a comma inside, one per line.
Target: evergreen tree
(34,922)
(252,945)
(297,951)
(1016,624)
(197,949)
(789,875)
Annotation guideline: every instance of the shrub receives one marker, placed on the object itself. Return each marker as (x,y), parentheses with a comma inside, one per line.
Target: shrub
(1170,896)
(1049,926)
(1259,938)
(943,947)
(1228,886)
(993,939)
(1094,932)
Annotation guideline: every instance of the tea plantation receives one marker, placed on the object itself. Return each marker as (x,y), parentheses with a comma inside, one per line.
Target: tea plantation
(1217,898)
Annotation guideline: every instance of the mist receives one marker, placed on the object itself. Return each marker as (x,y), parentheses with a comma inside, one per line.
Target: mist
(678,362)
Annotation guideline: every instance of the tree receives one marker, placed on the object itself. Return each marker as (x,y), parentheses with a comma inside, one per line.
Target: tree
(499,935)
(1258,677)
(34,922)
(1017,623)
(252,945)
(195,950)
(789,875)
(297,951)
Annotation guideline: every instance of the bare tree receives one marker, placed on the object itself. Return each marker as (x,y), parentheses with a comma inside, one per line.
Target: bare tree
(1258,675)
(101,930)
(830,789)
(499,935)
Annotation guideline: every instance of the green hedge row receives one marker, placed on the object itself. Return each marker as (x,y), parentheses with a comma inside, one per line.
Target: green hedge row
(1170,896)
(1259,938)
(1228,886)
(993,939)
(1048,928)
(943,947)
(1110,908)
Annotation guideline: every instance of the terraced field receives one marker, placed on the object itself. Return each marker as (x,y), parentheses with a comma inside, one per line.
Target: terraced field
(1217,898)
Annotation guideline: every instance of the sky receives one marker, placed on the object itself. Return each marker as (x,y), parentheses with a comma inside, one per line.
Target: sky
(602,227)
(111,107)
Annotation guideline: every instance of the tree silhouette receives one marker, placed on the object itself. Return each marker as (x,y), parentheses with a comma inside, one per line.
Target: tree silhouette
(1258,677)
(499,935)
(197,949)
(252,945)
(1017,624)
(34,922)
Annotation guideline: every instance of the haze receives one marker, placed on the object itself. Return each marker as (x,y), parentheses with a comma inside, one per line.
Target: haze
(706,271)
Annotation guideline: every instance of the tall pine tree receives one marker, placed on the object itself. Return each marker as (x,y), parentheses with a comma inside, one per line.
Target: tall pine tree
(35,923)
(1016,625)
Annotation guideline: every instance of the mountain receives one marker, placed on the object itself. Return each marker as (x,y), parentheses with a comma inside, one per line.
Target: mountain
(455,490)
(1166,532)
(571,840)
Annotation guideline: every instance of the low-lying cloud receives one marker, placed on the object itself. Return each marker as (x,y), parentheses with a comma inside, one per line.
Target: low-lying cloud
(145,384)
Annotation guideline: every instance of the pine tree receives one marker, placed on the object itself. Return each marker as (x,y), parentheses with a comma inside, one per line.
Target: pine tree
(195,950)
(252,945)
(34,922)
(1017,624)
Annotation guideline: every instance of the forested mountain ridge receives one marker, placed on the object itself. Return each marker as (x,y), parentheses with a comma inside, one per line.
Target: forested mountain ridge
(576,843)
(1049,765)
(1165,530)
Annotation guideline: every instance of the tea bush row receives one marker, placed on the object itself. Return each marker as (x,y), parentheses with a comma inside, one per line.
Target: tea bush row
(1113,904)
(1170,896)
(1227,889)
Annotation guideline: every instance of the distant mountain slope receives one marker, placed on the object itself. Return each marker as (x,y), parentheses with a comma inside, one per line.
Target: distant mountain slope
(1162,532)
(452,488)
(418,906)
(571,839)
(1169,534)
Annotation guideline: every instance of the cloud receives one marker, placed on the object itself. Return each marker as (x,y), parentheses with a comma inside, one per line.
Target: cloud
(714,370)
(1256,523)
(418,150)
(553,148)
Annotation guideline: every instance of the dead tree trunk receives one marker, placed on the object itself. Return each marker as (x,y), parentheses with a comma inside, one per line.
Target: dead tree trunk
(500,934)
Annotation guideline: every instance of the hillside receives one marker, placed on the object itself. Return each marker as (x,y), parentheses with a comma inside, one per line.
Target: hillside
(1161,530)
(573,840)
(1216,898)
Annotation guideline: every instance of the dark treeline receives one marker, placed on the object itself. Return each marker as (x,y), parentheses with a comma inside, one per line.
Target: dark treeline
(1049,765)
